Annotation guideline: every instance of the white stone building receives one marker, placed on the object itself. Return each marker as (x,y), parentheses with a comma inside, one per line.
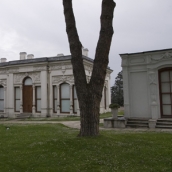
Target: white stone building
(147,78)
(43,86)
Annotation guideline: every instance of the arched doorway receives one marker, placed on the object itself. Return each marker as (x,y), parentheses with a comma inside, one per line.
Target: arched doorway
(165,85)
(27,95)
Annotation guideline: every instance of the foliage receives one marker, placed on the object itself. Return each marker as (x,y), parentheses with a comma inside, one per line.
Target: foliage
(117,90)
(41,148)
(114,106)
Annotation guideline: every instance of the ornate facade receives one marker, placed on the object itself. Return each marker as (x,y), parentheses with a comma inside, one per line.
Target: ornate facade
(147,78)
(43,87)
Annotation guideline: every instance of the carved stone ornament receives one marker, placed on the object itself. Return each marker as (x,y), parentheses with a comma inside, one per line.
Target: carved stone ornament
(153,87)
(13,70)
(107,74)
(61,66)
(3,82)
(3,71)
(40,68)
(18,78)
(152,78)
(106,84)
(59,79)
(88,78)
(89,68)
(55,67)
(167,55)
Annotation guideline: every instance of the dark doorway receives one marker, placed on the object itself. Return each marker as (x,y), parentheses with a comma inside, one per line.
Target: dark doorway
(27,95)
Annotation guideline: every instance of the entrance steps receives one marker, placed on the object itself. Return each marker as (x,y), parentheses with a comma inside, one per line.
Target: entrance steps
(23,115)
(164,123)
(137,123)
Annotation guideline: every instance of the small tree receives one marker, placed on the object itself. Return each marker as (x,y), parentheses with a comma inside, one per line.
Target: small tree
(90,94)
(117,90)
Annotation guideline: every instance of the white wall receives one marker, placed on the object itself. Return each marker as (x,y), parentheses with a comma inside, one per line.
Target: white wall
(139,95)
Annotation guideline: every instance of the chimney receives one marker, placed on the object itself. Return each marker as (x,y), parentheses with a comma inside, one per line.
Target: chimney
(59,55)
(23,55)
(30,56)
(3,60)
(85,52)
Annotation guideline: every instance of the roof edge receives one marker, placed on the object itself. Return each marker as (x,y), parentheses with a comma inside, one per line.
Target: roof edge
(144,52)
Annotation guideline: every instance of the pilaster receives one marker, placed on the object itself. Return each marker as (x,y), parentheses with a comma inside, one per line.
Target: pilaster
(21,99)
(58,100)
(71,100)
(44,102)
(33,106)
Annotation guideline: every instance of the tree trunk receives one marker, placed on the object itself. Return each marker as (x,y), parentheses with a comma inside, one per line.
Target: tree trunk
(90,94)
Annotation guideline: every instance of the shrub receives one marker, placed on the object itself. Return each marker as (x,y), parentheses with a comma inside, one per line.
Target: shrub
(114,105)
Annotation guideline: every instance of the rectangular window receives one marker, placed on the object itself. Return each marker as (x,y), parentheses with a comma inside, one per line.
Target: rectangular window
(54,99)
(74,100)
(38,99)
(65,98)
(17,99)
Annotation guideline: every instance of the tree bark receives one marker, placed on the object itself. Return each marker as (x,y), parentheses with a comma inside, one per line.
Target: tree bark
(90,94)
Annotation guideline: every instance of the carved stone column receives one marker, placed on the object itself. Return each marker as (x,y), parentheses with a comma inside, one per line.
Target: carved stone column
(71,100)
(21,99)
(78,110)
(58,100)
(153,94)
(33,106)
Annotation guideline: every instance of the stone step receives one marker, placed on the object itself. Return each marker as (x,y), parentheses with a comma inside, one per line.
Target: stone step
(136,126)
(138,119)
(136,122)
(163,126)
(23,115)
(164,123)
(164,120)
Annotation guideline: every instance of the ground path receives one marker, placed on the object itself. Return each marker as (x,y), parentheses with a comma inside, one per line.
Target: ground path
(76,125)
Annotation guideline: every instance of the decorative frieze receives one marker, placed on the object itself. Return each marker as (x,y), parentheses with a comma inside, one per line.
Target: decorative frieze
(61,66)
(13,70)
(3,71)
(59,79)
(165,56)
(18,78)
(55,67)
(40,68)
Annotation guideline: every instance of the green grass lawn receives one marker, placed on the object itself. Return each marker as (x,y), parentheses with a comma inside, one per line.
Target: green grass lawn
(55,148)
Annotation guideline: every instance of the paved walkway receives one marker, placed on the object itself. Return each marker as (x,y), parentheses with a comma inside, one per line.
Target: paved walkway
(76,125)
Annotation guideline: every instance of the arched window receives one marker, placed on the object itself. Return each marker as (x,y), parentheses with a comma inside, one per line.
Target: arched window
(65,98)
(28,81)
(1,98)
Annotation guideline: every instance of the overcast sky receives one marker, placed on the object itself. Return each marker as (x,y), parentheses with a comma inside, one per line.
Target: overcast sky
(38,27)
